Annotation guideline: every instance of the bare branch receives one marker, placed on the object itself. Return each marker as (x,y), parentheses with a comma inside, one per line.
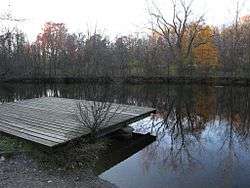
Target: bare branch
(95,115)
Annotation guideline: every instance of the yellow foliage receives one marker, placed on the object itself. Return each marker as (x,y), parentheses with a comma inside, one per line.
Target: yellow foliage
(206,53)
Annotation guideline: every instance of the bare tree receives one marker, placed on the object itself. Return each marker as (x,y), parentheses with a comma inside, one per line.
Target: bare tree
(235,35)
(95,115)
(179,32)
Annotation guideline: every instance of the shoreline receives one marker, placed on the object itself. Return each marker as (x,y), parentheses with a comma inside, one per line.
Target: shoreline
(224,81)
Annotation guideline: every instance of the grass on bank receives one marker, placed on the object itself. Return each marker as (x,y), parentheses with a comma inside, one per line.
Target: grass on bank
(74,155)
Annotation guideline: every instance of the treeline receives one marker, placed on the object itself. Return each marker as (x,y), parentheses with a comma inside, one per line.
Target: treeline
(181,48)
(59,54)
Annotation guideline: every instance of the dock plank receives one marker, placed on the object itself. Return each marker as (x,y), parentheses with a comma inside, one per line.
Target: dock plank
(52,121)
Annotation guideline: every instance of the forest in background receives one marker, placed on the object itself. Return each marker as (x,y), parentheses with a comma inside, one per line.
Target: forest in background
(184,47)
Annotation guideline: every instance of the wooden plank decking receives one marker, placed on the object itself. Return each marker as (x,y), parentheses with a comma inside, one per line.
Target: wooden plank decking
(52,121)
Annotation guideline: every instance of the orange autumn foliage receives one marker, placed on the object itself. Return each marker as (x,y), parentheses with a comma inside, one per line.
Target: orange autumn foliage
(245,19)
(205,104)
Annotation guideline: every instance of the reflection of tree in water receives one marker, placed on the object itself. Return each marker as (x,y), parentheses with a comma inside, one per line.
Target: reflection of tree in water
(184,117)
(178,133)
(234,110)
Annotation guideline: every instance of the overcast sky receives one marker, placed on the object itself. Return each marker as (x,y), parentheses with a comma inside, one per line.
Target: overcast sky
(114,17)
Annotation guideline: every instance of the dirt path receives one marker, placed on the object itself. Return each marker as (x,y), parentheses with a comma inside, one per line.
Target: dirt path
(21,171)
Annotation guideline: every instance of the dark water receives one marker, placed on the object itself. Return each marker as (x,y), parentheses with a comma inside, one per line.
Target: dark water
(202,133)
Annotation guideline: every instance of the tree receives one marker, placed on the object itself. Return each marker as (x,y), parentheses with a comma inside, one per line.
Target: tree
(97,56)
(52,43)
(121,54)
(206,55)
(179,37)
(98,113)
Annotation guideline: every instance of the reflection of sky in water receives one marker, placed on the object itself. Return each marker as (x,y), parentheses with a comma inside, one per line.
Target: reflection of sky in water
(52,93)
(214,158)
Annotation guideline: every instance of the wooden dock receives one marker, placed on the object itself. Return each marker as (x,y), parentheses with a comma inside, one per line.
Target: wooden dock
(52,121)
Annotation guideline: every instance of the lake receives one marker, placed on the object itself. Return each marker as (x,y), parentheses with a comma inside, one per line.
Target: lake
(202,133)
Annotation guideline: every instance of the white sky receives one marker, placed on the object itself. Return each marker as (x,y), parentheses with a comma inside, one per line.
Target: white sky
(113,17)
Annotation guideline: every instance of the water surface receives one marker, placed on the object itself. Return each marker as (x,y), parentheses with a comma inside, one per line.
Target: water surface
(202,133)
